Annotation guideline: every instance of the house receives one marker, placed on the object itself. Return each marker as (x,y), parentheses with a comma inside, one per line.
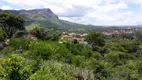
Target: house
(72,36)
(30,36)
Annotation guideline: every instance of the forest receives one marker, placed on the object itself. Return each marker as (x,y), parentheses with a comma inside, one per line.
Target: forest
(38,55)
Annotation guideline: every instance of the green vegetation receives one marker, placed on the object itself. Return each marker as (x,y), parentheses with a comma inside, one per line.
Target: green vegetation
(32,26)
(95,39)
(103,58)
(44,34)
(2,34)
(10,23)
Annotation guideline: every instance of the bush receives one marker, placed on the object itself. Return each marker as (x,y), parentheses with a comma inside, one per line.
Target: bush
(54,71)
(96,39)
(19,34)
(19,43)
(117,58)
(44,34)
(14,68)
(42,49)
(79,49)
(47,50)
(2,34)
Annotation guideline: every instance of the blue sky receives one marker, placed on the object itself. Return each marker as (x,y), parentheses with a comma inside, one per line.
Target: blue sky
(96,12)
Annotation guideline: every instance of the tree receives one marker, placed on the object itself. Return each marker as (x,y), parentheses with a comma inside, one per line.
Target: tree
(38,32)
(11,23)
(44,34)
(20,34)
(95,39)
(2,35)
(52,35)
(75,41)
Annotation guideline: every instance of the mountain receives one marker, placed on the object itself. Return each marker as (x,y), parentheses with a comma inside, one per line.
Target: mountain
(46,18)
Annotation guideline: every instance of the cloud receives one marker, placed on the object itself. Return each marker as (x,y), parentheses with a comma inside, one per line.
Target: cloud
(26,4)
(6,8)
(97,12)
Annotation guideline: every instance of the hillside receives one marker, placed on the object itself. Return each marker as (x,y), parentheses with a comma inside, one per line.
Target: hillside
(46,18)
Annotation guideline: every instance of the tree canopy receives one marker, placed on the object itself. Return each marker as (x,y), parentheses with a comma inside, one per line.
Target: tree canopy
(95,38)
(11,23)
(44,34)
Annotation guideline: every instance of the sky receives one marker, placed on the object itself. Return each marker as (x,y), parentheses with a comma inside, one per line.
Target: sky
(92,12)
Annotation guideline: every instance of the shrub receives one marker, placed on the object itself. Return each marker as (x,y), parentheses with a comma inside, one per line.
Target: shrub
(54,71)
(20,34)
(117,58)
(14,68)
(2,34)
(19,43)
(44,34)
(79,49)
(48,50)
